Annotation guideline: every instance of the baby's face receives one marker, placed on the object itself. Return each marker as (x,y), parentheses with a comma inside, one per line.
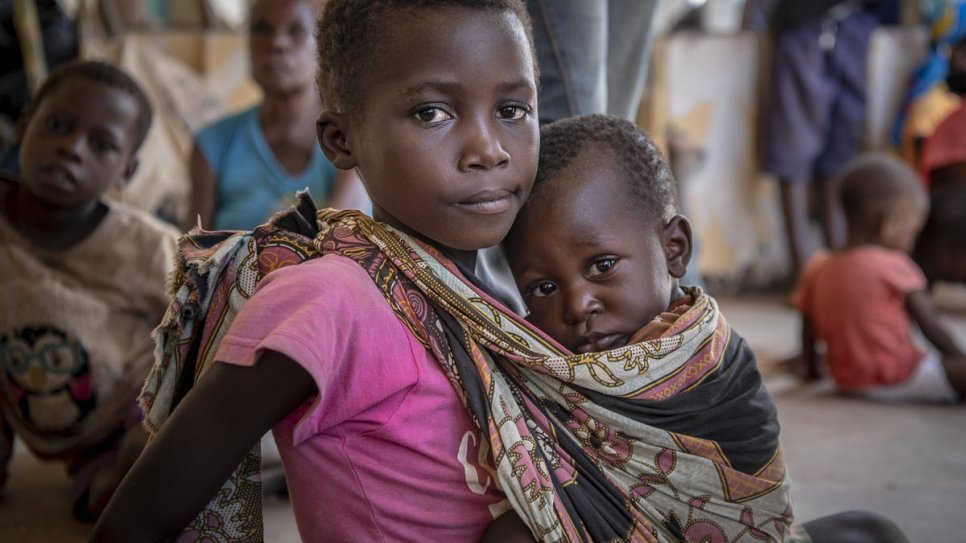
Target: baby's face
(591,269)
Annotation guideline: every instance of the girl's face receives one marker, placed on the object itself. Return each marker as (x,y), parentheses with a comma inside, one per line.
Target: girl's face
(282,45)
(446,135)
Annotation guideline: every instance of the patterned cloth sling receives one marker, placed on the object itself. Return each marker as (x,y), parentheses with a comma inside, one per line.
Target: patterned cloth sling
(573,462)
(215,274)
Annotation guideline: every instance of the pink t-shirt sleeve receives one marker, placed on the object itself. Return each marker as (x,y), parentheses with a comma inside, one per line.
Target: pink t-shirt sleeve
(313,314)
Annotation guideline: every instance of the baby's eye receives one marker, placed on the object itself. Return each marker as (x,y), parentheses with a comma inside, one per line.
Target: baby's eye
(602,266)
(542,289)
(432,115)
(513,112)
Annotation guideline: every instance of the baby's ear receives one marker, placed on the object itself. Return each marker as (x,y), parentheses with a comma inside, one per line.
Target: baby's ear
(676,239)
(332,129)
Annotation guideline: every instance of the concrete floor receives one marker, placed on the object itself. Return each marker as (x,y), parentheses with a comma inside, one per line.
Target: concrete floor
(906,462)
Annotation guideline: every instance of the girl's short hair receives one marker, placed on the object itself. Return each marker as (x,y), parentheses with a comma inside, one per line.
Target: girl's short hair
(349,31)
(645,170)
(105,74)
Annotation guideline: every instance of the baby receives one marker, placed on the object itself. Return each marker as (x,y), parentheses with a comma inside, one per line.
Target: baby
(597,253)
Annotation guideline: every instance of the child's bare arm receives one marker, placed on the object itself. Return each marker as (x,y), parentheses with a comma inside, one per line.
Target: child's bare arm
(204,191)
(199,446)
(924,313)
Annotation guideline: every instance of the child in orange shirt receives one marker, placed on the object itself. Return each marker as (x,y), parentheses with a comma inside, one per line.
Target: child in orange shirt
(861,301)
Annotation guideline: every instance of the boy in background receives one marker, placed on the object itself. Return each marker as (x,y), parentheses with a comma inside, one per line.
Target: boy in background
(863,300)
(83,282)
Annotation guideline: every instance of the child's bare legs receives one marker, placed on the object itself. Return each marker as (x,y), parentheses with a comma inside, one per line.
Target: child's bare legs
(105,480)
(854,527)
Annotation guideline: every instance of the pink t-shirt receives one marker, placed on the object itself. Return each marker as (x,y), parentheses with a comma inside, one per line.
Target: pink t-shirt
(386,451)
(856,303)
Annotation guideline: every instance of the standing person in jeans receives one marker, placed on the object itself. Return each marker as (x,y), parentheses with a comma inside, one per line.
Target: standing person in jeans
(816,110)
(593,55)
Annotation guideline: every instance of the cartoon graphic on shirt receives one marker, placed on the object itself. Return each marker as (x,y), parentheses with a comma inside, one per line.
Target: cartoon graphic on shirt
(48,378)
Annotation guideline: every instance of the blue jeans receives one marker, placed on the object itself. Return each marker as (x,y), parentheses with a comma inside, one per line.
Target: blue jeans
(593,55)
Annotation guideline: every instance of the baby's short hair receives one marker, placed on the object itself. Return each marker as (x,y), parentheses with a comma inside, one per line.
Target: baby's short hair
(646,171)
(349,30)
(105,74)
(873,182)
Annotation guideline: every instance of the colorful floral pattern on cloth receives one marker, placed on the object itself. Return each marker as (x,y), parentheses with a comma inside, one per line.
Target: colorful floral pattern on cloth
(573,469)
(215,275)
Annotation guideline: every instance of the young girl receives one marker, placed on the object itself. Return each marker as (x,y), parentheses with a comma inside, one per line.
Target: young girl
(247,166)
(862,301)
(435,104)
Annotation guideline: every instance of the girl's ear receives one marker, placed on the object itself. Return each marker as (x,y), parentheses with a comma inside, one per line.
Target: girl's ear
(333,138)
(676,239)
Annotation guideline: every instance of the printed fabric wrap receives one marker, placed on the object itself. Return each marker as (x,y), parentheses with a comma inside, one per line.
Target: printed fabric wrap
(215,275)
(573,469)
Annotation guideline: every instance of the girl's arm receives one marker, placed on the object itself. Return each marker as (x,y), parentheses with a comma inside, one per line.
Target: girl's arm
(204,191)
(208,434)
(924,313)
(348,192)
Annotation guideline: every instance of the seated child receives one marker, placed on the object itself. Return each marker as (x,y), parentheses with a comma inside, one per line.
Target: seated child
(597,253)
(83,282)
(862,301)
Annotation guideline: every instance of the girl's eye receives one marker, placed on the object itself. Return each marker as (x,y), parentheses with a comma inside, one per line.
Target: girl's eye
(432,115)
(602,266)
(513,113)
(543,289)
